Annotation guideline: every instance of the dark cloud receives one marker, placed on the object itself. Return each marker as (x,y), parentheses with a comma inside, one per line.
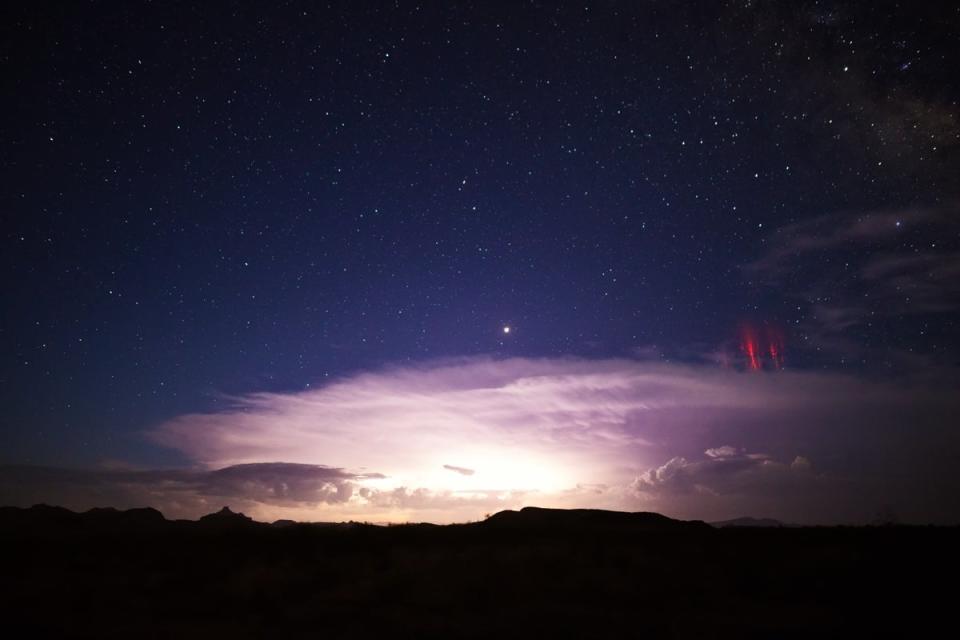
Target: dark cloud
(179,492)
(461,470)
(281,482)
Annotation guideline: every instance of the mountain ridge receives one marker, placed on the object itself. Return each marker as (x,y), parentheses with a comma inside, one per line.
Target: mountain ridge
(105,519)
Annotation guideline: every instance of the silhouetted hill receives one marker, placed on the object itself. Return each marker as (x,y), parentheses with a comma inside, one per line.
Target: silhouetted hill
(590,520)
(43,519)
(535,519)
(141,518)
(49,521)
(284,523)
(227,519)
(39,515)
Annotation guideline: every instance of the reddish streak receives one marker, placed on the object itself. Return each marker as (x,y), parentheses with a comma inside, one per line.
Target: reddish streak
(749,347)
(775,346)
(775,355)
(758,345)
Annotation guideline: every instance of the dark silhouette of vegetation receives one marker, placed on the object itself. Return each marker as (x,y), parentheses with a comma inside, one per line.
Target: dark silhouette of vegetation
(534,573)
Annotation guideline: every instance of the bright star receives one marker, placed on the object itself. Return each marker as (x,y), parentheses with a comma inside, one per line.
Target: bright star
(506,329)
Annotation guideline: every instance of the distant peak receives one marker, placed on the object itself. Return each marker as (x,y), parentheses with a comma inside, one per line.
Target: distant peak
(226,515)
(225,512)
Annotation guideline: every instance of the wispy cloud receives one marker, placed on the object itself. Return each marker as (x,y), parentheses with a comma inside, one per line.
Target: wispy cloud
(841,231)
(852,273)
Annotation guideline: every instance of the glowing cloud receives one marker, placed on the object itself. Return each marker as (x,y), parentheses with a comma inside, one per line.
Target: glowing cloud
(520,425)
(550,431)
(453,440)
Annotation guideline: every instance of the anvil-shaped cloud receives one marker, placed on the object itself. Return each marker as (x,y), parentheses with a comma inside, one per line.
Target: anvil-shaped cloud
(452,440)
(689,440)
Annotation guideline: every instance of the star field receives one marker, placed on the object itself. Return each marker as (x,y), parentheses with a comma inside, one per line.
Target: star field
(204,201)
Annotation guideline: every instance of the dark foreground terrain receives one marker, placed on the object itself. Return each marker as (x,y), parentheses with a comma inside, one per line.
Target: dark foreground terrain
(535,573)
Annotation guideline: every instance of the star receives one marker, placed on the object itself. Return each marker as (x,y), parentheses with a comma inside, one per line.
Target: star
(506,329)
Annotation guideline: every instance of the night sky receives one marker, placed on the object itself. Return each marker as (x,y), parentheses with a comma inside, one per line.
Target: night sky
(267,256)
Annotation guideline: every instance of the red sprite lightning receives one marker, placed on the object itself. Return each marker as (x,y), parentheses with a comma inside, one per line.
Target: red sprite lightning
(775,347)
(748,344)
(760,346)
